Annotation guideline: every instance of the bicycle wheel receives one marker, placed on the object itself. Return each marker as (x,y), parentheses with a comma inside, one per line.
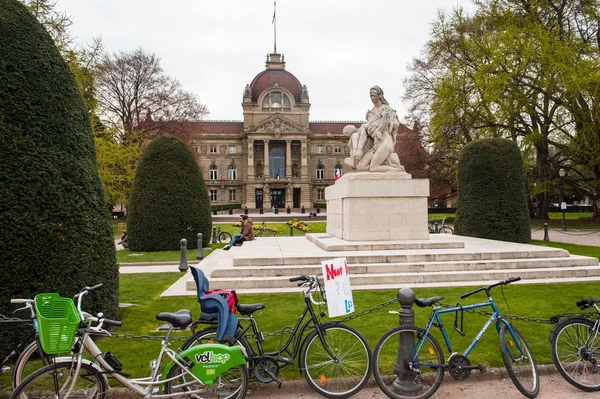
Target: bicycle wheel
(54,380)
(29,361)
(232,384)
(575,347)
(446,230)
(340,377)
(395,379)
(519,362)
(224,237)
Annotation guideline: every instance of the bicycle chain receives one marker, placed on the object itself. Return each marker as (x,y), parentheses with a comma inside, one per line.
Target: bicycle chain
(146,337)
(552,320)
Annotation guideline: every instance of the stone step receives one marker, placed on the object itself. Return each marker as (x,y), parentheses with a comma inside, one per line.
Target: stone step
(374,257)
(257,271)
(407,278)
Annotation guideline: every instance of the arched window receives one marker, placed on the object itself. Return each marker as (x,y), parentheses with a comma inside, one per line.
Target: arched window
(213,173)
(232,172)
(320,172)
(277,162)
(276,101)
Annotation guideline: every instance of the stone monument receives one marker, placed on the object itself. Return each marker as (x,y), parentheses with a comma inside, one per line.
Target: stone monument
(378,200)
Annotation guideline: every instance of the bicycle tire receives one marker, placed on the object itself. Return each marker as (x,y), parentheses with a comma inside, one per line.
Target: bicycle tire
(232,384)
(90,383)
(336,379)
(573,355)
(224,237)
(522,371)
(446,230)
(386,373)
(28,362)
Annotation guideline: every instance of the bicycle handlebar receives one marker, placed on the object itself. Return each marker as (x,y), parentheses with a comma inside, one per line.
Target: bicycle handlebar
(299,278)
(488,287)
(20,301)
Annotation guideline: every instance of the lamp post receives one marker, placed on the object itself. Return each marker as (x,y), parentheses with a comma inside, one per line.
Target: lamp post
(563,205)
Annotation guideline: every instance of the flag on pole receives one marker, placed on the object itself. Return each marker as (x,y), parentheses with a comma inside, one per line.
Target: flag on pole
(277,175)
(221,176)
(338,174)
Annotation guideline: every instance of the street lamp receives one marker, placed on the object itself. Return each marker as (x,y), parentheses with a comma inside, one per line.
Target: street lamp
(563,205)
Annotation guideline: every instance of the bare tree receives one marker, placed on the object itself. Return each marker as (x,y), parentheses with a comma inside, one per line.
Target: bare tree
(135,95)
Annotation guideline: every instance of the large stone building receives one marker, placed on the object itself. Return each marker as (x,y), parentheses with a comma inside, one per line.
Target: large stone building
(275,157)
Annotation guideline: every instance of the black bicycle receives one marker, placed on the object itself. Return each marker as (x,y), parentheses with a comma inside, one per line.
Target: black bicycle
(222,236)
(439,227)
(575,347)
(334,358)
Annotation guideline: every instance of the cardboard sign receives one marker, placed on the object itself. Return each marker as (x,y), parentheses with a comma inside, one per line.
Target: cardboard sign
(337,287)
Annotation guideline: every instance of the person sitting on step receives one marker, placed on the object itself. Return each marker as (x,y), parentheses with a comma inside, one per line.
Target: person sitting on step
(247,233)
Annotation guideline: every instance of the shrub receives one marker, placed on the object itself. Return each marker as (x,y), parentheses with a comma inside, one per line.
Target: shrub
(55,234)
(491,192)
(169,199)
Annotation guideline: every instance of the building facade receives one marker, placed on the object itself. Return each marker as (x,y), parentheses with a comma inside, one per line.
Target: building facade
(275,157)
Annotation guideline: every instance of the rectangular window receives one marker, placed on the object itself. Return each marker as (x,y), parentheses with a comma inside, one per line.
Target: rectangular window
(337,149)
(320,174)
(319,149)
(232,149)
(231,195)
(213,148)
(213,195)
(232,174)
(195,148)
(213,174)
(321,194)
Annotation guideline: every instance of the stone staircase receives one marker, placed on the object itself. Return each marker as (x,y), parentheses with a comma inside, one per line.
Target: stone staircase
(267,264)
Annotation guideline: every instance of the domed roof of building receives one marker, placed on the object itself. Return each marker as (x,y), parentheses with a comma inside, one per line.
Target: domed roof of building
(275,74)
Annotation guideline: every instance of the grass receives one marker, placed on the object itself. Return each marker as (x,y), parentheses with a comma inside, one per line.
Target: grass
(520,300)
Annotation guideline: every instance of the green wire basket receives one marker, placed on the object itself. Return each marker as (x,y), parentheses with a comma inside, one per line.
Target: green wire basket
(57,322)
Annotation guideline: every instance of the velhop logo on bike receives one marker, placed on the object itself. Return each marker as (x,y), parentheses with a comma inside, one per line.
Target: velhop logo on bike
(209,357)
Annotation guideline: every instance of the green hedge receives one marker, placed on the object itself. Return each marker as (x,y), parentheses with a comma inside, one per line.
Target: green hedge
(55,234)
(225,207)
(491,192)
(169,199)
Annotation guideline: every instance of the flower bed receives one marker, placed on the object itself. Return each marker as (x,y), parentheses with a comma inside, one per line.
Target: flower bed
(295,223)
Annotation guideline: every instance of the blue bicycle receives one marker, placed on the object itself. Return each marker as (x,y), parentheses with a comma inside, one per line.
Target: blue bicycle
(415,369)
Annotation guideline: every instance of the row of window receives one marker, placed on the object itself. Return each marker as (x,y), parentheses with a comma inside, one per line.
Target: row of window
(213,173)
(232,196)
(321,150)
(233,149)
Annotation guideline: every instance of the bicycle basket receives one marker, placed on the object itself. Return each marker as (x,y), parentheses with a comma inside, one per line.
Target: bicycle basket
(58,321)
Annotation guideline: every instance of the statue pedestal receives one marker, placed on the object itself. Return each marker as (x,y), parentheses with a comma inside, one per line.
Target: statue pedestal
(368,206)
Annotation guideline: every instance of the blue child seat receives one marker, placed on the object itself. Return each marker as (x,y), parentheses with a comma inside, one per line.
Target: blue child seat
(213,304)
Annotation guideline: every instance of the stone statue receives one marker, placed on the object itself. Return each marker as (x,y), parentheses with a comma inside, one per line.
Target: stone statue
(247,91)
(372,144)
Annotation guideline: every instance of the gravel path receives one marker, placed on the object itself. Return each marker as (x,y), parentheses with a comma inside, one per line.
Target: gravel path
(579,237)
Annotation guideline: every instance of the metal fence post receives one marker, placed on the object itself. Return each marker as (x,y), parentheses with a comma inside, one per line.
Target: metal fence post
(183,265)
(200,253)
(291,230)
(546,237)
(214,235)
(405,379)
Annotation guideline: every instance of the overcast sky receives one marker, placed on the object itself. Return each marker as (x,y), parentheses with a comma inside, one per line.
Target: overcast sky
(337,48)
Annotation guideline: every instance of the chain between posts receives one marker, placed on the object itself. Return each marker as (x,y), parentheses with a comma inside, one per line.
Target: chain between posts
(552,320)
(367,311)
(147,337)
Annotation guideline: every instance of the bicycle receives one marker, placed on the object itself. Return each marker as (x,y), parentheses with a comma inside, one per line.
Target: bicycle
(222,236)
(575,348)
(437,227)
(334,358)
(416,370)
(28,352)
(203,369)
(265,231)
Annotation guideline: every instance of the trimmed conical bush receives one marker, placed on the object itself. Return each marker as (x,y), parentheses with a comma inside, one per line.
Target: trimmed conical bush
(169,200)
(491,192)
(55,234)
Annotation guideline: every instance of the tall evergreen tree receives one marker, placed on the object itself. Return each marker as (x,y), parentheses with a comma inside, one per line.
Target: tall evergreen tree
(55,234)
(169,200)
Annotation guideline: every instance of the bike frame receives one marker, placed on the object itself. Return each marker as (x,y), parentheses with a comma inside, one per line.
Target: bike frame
(435,319)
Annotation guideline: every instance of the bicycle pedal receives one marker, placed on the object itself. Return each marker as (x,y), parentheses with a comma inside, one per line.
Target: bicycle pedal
(285,359)
(482,368)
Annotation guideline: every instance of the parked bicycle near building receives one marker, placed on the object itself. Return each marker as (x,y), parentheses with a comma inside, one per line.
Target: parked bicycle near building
(213,370)
(575,348)
(440,227)
(408,362)
(334,358)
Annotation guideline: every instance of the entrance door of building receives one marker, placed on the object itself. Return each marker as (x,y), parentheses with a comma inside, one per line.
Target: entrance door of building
(258,196)
(296,199)
(278,198)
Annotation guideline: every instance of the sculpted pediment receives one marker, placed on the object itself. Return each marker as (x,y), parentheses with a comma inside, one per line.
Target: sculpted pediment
(277,126)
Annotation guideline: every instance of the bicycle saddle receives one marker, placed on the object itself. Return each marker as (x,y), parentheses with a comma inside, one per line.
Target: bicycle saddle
(180,319)
(587,302)
(424,302)
(248,309)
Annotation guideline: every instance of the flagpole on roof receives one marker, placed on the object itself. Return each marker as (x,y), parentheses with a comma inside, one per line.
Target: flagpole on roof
(274,27)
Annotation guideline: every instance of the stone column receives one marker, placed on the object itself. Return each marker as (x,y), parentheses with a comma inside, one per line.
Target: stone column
(288,158)
(249,188)
(250,175)
(304,161)
(266,163)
